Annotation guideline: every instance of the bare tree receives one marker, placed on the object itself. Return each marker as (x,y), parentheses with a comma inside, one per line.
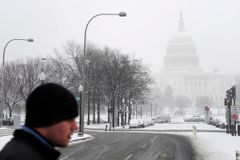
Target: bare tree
(109,75)
(26,77)
(10,97)
(20,79)
(123,80)
(70,63)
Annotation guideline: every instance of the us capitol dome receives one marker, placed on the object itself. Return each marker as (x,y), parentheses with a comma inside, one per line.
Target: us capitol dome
(182,78)
(181,51)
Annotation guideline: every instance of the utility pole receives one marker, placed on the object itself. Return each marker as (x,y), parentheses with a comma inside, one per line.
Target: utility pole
(233,98)
(228,102)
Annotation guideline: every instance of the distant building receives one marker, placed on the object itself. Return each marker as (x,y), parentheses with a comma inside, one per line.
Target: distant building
(181,72)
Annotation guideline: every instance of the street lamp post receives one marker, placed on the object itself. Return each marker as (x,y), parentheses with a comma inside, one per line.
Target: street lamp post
(120,14)
(3,68)
(42,76)
(81,112)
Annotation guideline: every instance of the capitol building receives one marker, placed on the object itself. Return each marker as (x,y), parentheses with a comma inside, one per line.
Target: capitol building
(181,73)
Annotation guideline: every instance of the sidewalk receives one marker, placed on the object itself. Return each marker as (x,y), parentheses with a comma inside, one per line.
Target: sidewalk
(76,137)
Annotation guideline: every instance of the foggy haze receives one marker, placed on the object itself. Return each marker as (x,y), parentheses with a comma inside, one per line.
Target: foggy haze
(144,33)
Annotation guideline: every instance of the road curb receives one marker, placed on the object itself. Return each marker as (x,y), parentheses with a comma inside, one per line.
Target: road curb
(166,130)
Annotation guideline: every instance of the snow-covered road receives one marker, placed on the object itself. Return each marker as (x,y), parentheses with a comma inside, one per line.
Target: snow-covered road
(210,145)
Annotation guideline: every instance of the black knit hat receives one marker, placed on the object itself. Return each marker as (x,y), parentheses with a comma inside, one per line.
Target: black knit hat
(49,104)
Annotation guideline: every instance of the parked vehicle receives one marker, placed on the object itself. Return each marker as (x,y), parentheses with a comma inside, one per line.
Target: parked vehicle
(142,123)
(7,122)
(218,121)
(162,119)
(194,118)
(149,121)
(134,123)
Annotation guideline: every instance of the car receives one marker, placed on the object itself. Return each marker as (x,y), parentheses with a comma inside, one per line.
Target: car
(218,121)
(143,122)
(162,119)
(134,123)
(149,121)
(7,122)
(194,118)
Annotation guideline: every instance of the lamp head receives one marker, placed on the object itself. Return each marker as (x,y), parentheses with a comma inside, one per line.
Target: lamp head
(80,88)
(42,76)
(122,14)
(30,40)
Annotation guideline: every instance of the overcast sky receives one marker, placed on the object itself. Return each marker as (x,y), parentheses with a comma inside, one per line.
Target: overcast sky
(213,24)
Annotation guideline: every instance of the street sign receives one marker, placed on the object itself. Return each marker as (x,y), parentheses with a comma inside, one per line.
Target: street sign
(234,116)
(235,109)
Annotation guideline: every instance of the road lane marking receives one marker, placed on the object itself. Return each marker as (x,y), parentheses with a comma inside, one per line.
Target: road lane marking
(143,146)
(64,158)
(80,141)
(128,157)
(153,138)
(95,147)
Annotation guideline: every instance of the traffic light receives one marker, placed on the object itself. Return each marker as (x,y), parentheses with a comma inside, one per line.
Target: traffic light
(233,92)
(225,101)
(228,93)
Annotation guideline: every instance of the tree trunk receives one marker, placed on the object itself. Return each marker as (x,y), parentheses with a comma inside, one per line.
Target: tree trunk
(108,110)
(94,110)
(129,111)
(88,120)
(122,113)
(118,110)
(98,111)
(125,114)
(10,112)
(113,110)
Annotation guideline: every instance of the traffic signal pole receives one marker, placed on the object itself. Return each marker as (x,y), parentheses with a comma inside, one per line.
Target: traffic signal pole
(233,98)
(229,118)
(229,101)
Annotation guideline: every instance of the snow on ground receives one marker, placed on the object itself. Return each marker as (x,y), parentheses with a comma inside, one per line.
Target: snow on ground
(216,146)
(182,126)
(209,145)
(4,140)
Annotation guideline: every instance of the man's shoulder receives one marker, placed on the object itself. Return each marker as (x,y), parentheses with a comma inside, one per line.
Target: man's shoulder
(21,150)
(24,146)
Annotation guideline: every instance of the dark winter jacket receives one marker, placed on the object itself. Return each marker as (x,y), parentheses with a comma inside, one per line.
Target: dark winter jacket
(25,146)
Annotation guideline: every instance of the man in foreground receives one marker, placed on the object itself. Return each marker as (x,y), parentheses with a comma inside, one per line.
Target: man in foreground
(50,121)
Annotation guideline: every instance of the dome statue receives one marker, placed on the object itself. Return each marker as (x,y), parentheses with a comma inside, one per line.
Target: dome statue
(181,52)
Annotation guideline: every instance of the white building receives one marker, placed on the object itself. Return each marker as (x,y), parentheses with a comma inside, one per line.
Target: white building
(182,73)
